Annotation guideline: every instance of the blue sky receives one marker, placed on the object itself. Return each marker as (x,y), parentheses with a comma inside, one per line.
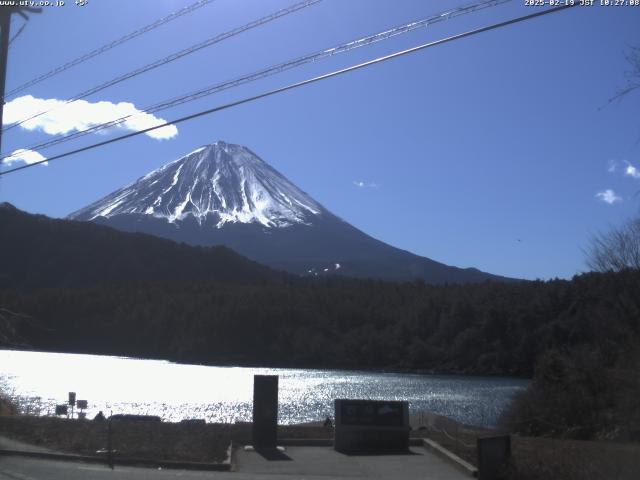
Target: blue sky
(488,152)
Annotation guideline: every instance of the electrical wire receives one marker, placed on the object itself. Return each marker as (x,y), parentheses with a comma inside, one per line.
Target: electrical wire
(299,84)
(109,46)
(345,47)
(278,68)
(175,56)
(17,34)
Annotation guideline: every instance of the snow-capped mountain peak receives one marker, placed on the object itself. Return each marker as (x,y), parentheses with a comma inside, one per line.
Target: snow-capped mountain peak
(224,194)
(221,182)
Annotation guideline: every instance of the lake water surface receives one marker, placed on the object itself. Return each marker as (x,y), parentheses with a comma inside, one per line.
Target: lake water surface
(224,394)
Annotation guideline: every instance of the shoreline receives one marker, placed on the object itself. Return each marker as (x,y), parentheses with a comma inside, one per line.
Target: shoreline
(532,457)
(447,395)
(407,371)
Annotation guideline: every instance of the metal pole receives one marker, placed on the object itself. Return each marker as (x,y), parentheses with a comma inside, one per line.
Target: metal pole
(109,449)
(5,25)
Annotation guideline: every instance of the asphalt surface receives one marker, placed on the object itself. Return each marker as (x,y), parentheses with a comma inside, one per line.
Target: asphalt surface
(308,463)
(11,444)
(326,463)
(21,468)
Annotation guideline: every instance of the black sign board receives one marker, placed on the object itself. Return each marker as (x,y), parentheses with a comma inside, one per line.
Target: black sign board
(61,409)
(82,404)
(368,412)
(493,455)
(265,411)
(131,417)
(371,426)
(72,398)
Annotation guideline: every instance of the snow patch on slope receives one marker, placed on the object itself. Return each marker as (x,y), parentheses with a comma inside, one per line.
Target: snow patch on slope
(226,182)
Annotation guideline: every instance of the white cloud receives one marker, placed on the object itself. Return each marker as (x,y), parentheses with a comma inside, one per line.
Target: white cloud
(632,171)
(361,184)
(608,196)
(80,115)
(613,166)
(26,156)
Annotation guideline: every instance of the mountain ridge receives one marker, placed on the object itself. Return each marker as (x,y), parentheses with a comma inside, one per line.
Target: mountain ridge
(80,254)
(224,194)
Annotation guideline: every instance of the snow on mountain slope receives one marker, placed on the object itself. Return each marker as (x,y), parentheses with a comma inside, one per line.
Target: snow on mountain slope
(224,194)
(223,182)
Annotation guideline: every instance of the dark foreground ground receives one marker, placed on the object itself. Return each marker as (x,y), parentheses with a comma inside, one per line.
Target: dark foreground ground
(542,458)
(532,458)
(297,462)
(157,440)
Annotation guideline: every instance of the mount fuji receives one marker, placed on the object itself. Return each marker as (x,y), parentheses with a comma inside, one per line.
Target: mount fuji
(224,194)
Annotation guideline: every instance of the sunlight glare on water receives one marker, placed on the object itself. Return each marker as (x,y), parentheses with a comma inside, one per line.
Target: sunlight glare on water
(224,394)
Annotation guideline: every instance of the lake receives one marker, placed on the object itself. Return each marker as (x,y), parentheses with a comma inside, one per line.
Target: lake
(224,394)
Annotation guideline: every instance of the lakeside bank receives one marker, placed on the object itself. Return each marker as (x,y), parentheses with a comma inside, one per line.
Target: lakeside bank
(532,458)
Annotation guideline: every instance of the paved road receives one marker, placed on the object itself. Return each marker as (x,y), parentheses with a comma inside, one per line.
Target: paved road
(11,444)
(326,463)
(308,463)
(21,468)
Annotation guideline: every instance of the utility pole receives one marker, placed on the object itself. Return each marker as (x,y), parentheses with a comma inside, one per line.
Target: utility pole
(5,26)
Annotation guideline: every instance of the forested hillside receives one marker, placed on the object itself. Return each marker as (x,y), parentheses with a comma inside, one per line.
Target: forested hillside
(77,287)
(37,251)
(490,328)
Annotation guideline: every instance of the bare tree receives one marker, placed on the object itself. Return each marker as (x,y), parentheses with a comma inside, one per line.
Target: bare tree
(9,327)
(632,75)
(617,249)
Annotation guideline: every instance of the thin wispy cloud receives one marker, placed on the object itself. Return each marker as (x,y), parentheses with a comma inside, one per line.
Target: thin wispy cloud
(62,118)
(361,184)
(625,167)
(632,172)
(608,196)
(24,156)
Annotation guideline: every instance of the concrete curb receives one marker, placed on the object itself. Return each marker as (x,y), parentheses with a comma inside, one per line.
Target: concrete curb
(306,442)
(231,457)
(450,457)
(128,461)
(326,442)
(53,456)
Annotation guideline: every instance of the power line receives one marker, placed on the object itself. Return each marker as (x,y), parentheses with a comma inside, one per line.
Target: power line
(109,46)
(345,47)
(400,29)
(175,56)
(17,34)
(278,68)
(300,84)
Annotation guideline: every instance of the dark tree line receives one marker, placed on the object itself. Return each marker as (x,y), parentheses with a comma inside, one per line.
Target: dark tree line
(490,328)
(37,251)
(580,392)
(72,287)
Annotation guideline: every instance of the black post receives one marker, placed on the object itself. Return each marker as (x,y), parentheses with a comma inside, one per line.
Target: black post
(5,25)
(493,457)
(109,450)
(265,411)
